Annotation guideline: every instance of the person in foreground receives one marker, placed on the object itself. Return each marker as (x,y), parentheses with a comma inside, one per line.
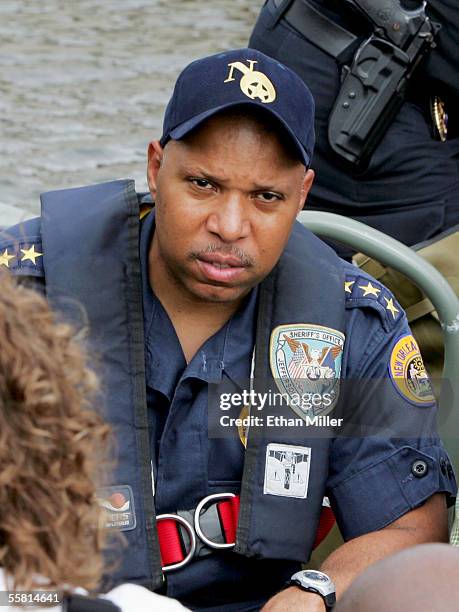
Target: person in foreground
(422,578)
(217,283)
(53,450)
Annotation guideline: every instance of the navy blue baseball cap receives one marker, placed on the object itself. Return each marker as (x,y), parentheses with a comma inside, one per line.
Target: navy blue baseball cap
(245,76)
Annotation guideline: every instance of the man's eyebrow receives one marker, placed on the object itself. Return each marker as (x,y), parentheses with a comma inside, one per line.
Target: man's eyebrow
(200,172)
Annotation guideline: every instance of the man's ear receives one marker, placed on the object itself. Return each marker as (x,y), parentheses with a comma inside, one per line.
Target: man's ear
(307,184)
(155,157)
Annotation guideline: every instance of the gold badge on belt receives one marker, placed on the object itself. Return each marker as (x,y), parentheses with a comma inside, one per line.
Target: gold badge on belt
(439,118)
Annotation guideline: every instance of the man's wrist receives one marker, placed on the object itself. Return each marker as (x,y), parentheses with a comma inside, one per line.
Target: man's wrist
(292,599)
(314,601)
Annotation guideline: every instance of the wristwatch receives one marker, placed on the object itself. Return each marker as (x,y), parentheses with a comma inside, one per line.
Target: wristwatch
(315,582)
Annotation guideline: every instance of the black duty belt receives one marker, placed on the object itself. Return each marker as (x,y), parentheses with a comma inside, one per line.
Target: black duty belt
(315,26)
(375,80)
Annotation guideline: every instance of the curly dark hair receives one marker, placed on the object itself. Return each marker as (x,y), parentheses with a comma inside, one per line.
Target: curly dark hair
(52,445)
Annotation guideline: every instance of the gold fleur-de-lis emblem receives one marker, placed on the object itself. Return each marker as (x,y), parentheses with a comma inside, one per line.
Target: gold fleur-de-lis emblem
(254,84)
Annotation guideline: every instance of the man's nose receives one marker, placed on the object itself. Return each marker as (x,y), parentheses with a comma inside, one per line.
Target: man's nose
(230,219)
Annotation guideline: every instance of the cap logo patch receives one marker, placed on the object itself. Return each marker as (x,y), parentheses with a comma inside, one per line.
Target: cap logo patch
(254,84)
(408,373)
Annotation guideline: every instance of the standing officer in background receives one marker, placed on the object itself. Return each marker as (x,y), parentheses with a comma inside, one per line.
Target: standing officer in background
(218,284)
(388,160)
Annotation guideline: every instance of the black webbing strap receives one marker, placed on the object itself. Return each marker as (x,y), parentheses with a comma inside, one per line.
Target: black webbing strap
(316,27)
(255,442)
(80,603)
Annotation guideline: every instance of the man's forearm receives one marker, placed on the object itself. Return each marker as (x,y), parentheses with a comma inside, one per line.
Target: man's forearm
(344,565)
(425,524)
(352,558)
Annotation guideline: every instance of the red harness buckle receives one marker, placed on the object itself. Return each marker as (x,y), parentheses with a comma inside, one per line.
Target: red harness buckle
(171,542)
(228,513)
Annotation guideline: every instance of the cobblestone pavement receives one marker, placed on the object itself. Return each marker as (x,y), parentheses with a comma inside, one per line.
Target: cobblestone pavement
(84,84)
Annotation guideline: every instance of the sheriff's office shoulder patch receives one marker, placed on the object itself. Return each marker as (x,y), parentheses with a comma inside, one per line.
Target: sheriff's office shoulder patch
(287,470)
(305,362)
(118,505)
(408,373)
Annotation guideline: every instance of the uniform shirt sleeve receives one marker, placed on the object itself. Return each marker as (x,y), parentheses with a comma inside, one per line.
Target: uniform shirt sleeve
(390,460)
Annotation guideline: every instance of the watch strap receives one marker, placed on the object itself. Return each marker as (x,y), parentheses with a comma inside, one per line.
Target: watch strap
(329,600)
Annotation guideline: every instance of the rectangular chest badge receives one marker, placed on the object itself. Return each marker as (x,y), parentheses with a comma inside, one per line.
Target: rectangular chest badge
(287,470)
(118,505)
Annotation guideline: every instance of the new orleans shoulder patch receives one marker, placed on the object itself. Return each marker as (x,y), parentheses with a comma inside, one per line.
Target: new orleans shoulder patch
(408,373)
(306,366)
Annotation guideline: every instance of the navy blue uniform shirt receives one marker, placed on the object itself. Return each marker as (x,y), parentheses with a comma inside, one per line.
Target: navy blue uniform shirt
(362,484)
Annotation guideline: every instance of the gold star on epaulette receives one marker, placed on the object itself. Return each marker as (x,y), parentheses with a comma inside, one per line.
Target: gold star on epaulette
(391,307)
(5,258)
(30,254)
(348,286)
(369,290)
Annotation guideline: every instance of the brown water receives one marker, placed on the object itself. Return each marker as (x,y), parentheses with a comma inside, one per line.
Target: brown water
(84,84)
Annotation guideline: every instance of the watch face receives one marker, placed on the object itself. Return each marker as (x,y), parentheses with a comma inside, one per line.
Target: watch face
(316,582)
(316,576)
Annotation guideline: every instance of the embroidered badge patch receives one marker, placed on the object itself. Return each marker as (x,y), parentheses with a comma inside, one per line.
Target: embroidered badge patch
(306,366)
(287,470)
(118,504)
(408,373)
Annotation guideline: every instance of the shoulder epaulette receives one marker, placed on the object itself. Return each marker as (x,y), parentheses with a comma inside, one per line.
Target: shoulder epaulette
(363,291)
(21,249)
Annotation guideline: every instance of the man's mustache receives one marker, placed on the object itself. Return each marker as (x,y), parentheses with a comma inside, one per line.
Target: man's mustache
(223,249)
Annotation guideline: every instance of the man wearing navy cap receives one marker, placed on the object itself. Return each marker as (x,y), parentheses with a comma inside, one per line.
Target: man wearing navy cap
(217,285)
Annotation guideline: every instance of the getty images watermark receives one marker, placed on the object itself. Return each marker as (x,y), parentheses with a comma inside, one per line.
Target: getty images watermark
(252,403)
(349,408)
